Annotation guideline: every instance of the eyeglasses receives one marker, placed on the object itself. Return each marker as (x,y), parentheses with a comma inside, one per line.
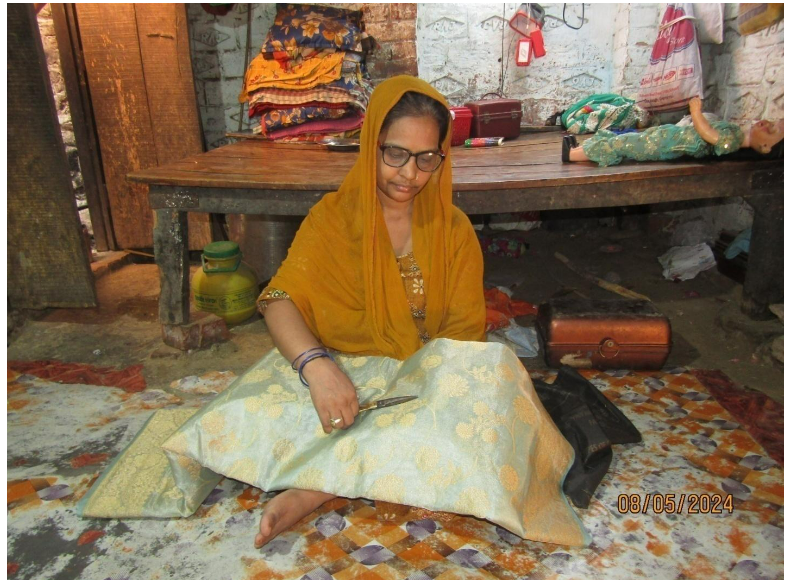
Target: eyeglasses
(399,157)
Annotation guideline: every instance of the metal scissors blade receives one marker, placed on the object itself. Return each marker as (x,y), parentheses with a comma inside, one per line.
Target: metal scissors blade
(382,403)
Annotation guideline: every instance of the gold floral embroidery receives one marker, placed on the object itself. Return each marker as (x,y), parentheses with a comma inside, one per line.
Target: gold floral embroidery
(345,449)
(377,383)
(473,501)
(245,470)
(270,294)
(524,409)
(139,475)
(489,435)
(509,478)
(213,422)
(416,293)
(431,361)
(389,488)
(403,415)
(444,478)
(504,372)
(310,478)
(427,458)
(224,444)
(452,385)
(255,376)
(283,449)
(465,430)
(363,465)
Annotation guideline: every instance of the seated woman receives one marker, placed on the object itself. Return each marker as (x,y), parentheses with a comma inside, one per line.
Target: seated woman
(379,267)
(667,142)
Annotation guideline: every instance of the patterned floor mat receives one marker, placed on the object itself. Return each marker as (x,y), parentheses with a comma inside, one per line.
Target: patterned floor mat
(698,498)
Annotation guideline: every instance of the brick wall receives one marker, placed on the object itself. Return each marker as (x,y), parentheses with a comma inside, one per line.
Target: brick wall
(47,29)
(393,27)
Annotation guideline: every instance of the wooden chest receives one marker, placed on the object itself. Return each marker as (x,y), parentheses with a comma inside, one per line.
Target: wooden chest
(604,334)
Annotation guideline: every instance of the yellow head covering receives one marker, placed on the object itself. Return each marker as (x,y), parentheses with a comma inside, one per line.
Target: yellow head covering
(341,269)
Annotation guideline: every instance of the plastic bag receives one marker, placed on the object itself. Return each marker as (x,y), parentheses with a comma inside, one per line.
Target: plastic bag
(709,21)
(673,76)
(591,424)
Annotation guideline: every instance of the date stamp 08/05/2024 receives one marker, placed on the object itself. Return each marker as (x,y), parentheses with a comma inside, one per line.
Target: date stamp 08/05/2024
(674,503)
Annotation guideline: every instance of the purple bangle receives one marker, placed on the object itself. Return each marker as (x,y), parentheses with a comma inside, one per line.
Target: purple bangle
(294,360)
(307,360)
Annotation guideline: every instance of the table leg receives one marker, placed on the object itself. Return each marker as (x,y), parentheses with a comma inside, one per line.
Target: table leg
(764,276)
(170,242)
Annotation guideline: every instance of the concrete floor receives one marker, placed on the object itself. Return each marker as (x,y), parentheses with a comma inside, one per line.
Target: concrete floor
(709,331)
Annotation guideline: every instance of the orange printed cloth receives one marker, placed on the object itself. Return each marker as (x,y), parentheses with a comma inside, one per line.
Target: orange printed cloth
(307,74)
(500,308)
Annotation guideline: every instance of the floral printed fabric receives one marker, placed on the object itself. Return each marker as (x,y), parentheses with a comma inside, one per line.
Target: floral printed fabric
(319,126)
(661,144)
(304,26)
(281,118)
(477,441)
(61,436)
(264,73)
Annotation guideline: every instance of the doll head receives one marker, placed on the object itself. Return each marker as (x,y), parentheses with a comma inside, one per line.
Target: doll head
(764,135)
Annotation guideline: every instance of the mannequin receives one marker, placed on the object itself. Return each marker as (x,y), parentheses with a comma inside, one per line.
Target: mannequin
(667,142)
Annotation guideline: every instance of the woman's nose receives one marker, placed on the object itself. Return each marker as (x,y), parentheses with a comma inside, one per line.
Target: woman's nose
(409,169)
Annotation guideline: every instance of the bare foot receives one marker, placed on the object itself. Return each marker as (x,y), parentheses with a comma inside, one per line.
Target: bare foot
(577,154)
(285,510)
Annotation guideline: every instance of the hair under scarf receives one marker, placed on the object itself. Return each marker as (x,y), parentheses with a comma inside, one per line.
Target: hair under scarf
(341,269)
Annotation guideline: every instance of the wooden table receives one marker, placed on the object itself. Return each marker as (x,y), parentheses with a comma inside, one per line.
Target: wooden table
(253,177)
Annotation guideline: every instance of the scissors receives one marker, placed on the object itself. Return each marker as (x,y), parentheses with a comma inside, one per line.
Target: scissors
(384,403)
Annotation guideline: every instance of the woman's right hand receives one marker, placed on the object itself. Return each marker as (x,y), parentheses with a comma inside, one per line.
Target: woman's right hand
(332,393)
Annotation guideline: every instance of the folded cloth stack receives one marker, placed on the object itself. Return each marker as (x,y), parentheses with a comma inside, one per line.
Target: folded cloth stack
(309,79)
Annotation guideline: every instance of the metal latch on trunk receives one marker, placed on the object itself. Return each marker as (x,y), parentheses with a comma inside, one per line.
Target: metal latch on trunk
(609,348)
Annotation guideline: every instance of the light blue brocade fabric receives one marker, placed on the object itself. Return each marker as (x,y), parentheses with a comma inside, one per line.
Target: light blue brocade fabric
(477,441)
(661,144)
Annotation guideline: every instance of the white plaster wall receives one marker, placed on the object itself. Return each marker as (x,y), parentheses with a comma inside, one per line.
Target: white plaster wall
(743,82)
(466,50)
(743,77)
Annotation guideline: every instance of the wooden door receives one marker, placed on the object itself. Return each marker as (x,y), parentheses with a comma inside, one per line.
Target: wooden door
(142,91)
(47,258)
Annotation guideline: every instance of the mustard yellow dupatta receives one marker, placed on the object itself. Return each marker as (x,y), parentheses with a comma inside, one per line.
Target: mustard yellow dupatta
(341,270)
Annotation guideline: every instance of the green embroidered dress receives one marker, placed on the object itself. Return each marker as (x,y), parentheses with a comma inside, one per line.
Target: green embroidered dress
(661,144)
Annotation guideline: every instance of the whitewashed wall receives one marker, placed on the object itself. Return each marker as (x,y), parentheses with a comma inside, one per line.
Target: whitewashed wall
(743,77)
(466,50)
(743,81)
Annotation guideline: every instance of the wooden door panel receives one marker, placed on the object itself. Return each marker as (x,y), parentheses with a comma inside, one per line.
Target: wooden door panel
(47,259)
(142,90)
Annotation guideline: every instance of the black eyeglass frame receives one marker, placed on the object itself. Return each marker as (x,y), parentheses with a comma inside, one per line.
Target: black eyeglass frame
(410,155)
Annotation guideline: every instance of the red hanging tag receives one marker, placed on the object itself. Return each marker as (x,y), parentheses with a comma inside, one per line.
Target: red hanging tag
(537,43)
(524,52)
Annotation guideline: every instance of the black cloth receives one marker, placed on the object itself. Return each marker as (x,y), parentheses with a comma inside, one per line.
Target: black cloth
(591,424)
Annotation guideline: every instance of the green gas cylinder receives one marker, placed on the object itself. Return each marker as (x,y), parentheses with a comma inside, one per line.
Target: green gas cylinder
(225,286)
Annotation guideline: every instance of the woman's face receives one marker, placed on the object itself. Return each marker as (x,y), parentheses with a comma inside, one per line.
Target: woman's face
(398,186)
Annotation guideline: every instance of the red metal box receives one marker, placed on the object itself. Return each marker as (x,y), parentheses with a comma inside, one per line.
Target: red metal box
(462,119)
(495,117)
(604,334)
